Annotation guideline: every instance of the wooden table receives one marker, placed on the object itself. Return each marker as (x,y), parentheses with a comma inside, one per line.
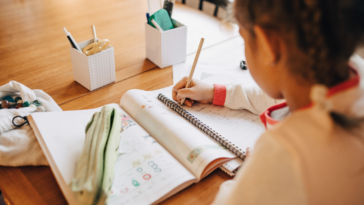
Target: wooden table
(34,51)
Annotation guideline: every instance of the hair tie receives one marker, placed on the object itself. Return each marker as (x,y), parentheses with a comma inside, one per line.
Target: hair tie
(24,118)
(318,95)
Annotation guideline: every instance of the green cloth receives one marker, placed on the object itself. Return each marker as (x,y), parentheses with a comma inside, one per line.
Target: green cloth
(95,168)
(162,18)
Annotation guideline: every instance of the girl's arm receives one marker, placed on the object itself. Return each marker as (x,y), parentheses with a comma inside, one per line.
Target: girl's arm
(234,96)
(237,96)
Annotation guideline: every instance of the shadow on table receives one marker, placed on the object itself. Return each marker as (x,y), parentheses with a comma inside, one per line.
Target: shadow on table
(2,202)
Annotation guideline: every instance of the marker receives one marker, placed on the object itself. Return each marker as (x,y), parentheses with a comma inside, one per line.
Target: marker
(148,6)
(71,40)
(157,26)
(243,65)
(147,17)
(168,6)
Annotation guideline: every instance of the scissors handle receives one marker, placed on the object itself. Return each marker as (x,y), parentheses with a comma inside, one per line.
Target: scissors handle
(96,47)
(103,44)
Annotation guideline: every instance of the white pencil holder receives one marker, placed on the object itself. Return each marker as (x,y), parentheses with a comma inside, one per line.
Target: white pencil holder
(168,47)
(93,71)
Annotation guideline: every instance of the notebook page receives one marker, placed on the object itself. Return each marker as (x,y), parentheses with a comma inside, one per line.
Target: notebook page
(186,142)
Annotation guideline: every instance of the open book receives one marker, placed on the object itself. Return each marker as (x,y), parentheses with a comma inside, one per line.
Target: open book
(161,152)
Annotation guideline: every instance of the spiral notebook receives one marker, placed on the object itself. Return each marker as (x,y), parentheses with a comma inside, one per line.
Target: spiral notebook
(230,167)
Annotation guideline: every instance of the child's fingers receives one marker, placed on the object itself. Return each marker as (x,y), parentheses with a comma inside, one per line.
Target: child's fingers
(181,84)
(188,102)
(174,95)
(185,93)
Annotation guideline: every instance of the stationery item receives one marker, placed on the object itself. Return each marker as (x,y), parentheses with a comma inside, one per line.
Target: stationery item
(157,26)
(160,153)
(147,170)
(147,17)
(168,6)
(193,66)
(206,129)
(168,47)
(71,39)
(154,6)
(243,65)
(94,33)
(96,70)
(148,6)
(95,167)
(163,20)
(96,47)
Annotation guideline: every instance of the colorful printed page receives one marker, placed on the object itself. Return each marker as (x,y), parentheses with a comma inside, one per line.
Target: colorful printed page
(144,171)
(193,148)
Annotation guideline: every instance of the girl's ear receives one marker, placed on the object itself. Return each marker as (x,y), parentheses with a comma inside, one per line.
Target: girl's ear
(269,42)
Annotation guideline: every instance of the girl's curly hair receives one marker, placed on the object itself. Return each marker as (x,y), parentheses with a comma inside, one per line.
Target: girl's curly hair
(326,32)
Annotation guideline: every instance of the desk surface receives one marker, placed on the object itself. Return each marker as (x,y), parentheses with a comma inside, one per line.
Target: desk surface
(34,51)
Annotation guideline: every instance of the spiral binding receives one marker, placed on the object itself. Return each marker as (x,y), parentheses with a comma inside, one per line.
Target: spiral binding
(227,171)
(210,132)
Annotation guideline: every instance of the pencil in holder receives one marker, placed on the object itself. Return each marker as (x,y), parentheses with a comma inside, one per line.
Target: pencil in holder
(93,71)
(168,47)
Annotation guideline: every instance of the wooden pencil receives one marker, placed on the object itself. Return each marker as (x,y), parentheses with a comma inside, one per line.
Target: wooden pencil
(193,67)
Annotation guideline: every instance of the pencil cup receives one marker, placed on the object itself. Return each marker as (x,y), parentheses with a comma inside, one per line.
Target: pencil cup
(168,47)
(93,71)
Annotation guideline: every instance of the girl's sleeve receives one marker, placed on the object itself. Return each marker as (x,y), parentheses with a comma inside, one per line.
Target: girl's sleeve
(236,96)
(270,176)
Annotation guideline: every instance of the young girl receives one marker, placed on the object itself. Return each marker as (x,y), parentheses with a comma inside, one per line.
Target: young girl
(313,149)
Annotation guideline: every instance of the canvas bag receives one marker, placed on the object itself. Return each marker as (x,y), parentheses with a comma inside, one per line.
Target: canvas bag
(19,146)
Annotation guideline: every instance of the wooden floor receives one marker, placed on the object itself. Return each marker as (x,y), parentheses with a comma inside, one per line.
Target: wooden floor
(35,52)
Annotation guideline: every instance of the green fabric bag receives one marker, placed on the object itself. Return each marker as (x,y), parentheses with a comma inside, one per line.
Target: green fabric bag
(162,18)
(95,168)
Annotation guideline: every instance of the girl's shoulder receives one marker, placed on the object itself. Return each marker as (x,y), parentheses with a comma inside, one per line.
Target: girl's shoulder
(326,157)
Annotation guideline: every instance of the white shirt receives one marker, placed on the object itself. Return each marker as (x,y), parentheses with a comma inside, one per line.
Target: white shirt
(305,158)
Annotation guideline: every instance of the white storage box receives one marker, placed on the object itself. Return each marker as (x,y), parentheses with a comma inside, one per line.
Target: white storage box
(168,47)
(93,71)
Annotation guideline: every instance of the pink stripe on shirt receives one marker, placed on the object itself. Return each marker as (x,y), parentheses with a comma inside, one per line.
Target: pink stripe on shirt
(219,95)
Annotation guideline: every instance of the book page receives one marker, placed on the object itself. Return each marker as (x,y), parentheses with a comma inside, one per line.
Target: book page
(192,147)
(144,170)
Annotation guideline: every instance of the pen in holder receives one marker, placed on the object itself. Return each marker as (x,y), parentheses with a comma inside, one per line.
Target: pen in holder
(95,70)
(168,47)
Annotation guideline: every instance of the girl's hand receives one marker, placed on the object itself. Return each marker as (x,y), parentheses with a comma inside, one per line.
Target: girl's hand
(198,91)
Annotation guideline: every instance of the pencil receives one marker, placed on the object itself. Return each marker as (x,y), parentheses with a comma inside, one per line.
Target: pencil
(193,67)
(94,33)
